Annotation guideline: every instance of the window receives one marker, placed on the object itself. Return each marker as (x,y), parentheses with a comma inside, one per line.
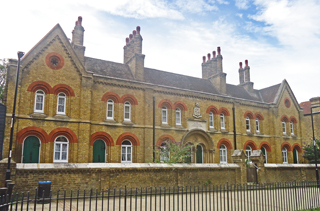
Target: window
(223,154)
(61,146)
(222,121)
(284,129)
(39,101)
(285,155)
(257,126)
(164,153)
(248,124)
(264,152)
(127,111)
(110,109)
(61,104)
(249,152)
(295,156)
(126,152)
(164,115)
(291,127)
(211,125)
(178,116)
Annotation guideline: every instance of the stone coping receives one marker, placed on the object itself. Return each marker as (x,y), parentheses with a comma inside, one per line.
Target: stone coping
(290,165)
(33,166)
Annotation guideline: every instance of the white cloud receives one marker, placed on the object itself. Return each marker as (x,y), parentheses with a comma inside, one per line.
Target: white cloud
(196,6)
(242,4)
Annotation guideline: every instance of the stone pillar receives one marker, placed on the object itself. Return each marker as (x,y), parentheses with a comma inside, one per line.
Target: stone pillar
(3,170)
(258,159)
(239,157)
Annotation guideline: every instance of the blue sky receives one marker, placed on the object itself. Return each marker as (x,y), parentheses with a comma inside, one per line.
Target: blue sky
(280,38)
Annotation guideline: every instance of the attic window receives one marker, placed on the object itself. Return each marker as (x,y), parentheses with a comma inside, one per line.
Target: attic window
(55,61)
(287,102)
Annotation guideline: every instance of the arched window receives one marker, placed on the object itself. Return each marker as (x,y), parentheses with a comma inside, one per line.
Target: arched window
(223,153)
(249,152)
(257,126)
(222,121)
(264,152)
(284,128)
(61,103)
(211,123)
(127,111)
(199,154)
(110,109)
(61,149)
(248,124)
(126,152)
(164,153)
(292,128)
(178,116)
(99,151)
(295,156)
(39,101)
(164,115)
(31,150)
(285,155)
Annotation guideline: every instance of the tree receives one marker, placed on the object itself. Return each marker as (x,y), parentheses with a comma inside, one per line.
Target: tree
(3,74)
(309,151)
(173,152)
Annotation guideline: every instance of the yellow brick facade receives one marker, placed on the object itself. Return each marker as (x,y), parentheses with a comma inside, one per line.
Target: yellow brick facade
(86,109)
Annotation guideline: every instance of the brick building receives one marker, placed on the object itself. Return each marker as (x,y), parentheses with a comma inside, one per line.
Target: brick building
(77,109)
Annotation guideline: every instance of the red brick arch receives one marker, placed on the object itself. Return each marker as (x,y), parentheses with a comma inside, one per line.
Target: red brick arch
(297,147)
(32,131)
(181,105)
(293,119)
(164,138)
(284,118)
(62,131)
(130,98)
(226,142)
(36,85)
(111,95)
(166,103)
(212,109)
(130,136)
(265,145)
(224,111)
(249,114)
(251,144)
(259,116)
(103,136)
(63,88)
(287,145)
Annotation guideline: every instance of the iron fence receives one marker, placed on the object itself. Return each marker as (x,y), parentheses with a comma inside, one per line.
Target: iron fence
(247,197)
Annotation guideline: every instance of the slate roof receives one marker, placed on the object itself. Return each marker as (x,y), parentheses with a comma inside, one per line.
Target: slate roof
(158,77)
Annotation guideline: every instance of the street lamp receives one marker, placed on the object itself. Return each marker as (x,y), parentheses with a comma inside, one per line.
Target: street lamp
(314,145)
(8,173)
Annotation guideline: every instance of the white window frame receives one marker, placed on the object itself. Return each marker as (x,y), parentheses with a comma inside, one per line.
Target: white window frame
(178,116)
(249,152)
(292,128)
(126,147)
(248,127)
(110,102)
(223,154)
(64,97)
(284,128)
(222,121)
(266,154)
(164,157)
(164,115)
(285,155)
(35,101)
(59,160)
(211,120)
(297,155)
(257,125)
(127,105)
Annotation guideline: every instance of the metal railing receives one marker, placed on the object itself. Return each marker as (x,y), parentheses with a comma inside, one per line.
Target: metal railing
(247,197)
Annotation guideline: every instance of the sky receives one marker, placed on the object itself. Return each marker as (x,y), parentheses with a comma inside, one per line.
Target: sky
(279,38)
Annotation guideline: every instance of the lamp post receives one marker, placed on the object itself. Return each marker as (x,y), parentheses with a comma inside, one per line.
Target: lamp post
(8,173)
(314,145)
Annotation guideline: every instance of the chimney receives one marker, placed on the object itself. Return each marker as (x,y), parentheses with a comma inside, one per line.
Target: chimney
(245,78)
(133,56)
(77,39)
(241,73)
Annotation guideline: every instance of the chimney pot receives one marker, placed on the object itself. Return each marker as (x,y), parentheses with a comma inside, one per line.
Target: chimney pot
(209,56)
(127,40)
(219,50)
(80,20)
(240,64)
(213,54)
(130,37)
(138,29)
(246,61)
(76,23)
(204,59)
(134,32)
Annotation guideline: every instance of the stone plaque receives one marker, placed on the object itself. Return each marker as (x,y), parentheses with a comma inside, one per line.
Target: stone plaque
(196,111)
(197,125)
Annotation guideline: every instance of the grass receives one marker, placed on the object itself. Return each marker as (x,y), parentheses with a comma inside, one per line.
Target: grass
(313,209)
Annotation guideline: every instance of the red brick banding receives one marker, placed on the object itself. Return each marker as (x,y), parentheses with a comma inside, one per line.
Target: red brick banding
(62,131)
(287,102)
(212,109)
(259,116)
(224,111)
(63,88)
(130,136)
(293,119)
(59,59)
(181,105)
(111,95)
(103,136)
(287,145)
(166,103)
(249,114)
(284,118)
(130,98)
(251,144)
(297,147)
(164,138)
(226,142)
(32,131)
(265,145)
(44,86)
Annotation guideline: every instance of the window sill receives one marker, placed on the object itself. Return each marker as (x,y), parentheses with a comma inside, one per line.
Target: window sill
(212,130)
(249,133)
(110,120)
(285,136)
(38,115)
(61,116)
(294,136)
(179,126)
(126,122)
(165,125)
(224,131)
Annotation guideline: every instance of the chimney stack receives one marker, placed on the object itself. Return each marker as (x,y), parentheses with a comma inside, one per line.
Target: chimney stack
(244,77)
(77,39)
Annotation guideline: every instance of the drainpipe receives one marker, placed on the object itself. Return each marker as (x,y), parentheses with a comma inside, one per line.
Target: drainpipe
(154,128)
(234,127)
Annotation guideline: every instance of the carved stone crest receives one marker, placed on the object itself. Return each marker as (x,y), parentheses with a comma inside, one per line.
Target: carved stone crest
(196,111)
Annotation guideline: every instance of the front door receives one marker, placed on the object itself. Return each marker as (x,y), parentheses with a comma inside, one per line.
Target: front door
(199,154)
(31,148)
(99,151)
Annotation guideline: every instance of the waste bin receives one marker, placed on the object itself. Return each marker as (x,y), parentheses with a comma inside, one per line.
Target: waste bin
(44,188)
